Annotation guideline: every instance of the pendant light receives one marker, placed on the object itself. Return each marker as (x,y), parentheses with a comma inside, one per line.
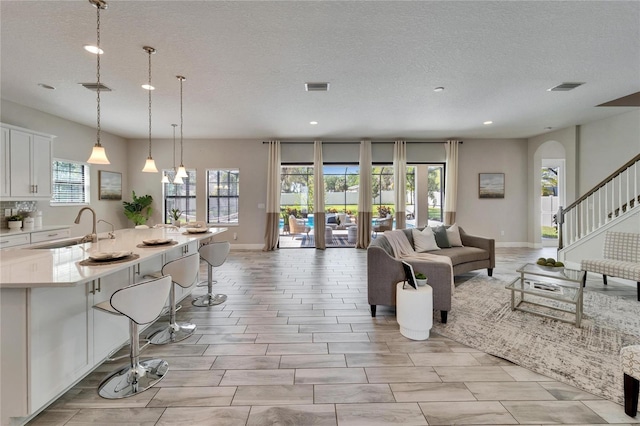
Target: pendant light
(98,154)
(182,172)
(177,180)
(150,164)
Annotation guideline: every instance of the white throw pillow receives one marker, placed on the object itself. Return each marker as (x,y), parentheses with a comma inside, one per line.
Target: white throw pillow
(424,240)
(453,234)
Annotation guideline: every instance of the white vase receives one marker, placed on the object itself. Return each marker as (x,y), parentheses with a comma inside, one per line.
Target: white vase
(15,224)
(421,282)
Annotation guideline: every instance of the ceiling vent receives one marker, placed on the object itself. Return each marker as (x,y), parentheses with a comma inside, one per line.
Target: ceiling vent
(564,87)
(94,87)
(316,87)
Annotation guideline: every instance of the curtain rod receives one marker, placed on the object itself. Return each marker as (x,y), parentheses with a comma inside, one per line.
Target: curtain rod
(353,142)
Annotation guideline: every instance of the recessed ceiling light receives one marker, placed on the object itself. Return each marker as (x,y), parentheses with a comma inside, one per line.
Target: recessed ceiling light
(148,87)
(46,86)
(313,123)
(486,123)
(439,89)
(93,49)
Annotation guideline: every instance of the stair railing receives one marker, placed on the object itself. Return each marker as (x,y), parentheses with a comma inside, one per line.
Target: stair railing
(612,197)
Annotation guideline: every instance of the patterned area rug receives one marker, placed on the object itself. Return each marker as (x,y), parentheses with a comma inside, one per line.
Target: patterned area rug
(338,240)
(587,357)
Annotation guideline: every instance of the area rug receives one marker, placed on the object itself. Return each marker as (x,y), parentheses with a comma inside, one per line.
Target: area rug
(338,240)
(587,357)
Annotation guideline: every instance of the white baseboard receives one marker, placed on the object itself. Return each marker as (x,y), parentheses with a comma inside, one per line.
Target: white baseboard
(247,246)
(519,244)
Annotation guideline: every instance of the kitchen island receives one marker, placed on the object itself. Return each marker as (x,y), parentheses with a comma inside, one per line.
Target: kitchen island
(50,336)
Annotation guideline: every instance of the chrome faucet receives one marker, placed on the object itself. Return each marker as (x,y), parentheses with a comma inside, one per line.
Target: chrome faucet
(112,234)
(93,237)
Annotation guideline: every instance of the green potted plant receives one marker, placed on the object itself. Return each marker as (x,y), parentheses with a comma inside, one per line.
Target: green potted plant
(421,279)
(139,210)
(15,221)
(175,215)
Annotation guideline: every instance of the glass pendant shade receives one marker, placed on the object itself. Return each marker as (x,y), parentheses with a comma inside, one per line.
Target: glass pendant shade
(150,166)
(98,155)
(165,179)
(178,180)
(182,172)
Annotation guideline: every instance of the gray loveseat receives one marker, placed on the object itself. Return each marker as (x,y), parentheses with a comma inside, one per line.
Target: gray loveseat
(384,271)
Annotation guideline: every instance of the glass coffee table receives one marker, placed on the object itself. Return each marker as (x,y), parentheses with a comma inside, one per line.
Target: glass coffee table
(539,284)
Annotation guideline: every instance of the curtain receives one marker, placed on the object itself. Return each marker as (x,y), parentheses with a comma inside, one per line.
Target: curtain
(400,182)
(364,196)
(318,196)
(271,232)
(451,182)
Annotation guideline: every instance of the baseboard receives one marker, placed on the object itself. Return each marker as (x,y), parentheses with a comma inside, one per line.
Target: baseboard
(518,244)
(247,246)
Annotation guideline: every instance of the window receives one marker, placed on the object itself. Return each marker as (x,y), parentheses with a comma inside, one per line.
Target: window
(222,196)
(180,196)
(382,188)
(341,185)
(70,183)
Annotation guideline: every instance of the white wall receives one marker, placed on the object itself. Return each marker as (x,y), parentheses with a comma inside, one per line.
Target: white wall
(605,145)
(249,156)
(74,142)
(492,217)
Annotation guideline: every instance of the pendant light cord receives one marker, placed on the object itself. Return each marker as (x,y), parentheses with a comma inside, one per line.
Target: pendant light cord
(98,77)
(174,147)
(150,50)
(181,120)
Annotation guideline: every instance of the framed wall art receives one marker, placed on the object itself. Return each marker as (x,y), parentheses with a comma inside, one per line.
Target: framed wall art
(110,185)
(491,185)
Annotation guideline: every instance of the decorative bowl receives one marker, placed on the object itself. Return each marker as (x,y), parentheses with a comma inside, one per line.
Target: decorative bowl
(197,230)
(551,268)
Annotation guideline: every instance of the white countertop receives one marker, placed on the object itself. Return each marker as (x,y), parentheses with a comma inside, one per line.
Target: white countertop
(7,231)
(26,268)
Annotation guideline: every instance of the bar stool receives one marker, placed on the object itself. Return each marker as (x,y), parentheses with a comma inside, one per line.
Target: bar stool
(183,272)
(215,255)
(141,303)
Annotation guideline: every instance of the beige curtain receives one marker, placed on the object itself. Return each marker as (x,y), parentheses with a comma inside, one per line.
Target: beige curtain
(364,196)
(318,197)
(400,182)
(271,233)
(451,182)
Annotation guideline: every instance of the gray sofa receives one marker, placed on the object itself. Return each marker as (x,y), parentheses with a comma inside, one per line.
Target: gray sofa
(384,271)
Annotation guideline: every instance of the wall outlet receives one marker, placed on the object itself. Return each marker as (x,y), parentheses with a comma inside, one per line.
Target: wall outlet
(262,206)
(235,235)
(502,233)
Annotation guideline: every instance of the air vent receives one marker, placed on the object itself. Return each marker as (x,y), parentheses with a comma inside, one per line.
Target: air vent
(316,87)
(564,87)
(94,87)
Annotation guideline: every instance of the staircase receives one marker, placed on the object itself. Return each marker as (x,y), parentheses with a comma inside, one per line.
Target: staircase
(614,203)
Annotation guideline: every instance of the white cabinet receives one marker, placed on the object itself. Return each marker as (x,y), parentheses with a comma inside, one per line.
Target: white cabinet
(30,163)
(5,164)
(42,236)
(13,240)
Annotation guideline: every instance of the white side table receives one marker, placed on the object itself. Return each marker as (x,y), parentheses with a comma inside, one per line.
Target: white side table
(414,311)
(328,234)
(352,234)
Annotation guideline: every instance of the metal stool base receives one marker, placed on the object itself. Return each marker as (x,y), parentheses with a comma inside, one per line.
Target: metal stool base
(129,381)
(172,333)
(205,283)
(209,300)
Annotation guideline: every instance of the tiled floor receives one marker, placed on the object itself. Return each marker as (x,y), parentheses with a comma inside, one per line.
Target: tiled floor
(295,345)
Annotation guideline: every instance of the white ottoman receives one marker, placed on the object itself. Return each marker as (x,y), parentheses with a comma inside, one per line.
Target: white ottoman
(328,235)
(414,311)
(352,234)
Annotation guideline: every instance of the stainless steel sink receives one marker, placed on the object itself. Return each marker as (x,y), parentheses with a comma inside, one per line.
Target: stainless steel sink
(58,244)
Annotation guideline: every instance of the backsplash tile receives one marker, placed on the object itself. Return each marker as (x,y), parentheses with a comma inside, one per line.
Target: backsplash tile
(23,207)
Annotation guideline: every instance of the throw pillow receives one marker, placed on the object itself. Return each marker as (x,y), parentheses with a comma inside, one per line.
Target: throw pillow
(441,237)
(424,240)
(453,234)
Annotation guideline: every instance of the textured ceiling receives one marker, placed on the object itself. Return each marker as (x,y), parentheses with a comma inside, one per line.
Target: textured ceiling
(246,64)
